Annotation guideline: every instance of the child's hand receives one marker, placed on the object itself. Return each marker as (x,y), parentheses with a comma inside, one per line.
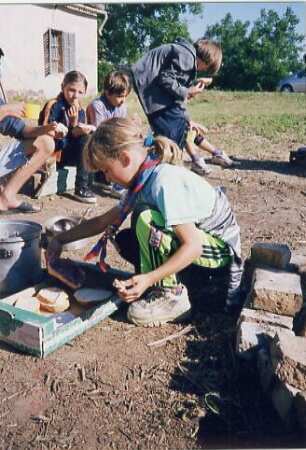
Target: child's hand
(206,81)
(73,114)
(12,109)
(49,129)
(196,89)
(131,289)
(198,128)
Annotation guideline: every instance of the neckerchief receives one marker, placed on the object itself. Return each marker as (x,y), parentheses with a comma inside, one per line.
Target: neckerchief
(144,172)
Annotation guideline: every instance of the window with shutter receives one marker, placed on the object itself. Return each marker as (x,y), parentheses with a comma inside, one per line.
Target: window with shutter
(59,51)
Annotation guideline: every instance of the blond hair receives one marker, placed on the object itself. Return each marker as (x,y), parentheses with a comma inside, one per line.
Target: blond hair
(117,134)
(210,53)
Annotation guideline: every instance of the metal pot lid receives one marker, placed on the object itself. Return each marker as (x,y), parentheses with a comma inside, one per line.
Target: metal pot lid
(19,230)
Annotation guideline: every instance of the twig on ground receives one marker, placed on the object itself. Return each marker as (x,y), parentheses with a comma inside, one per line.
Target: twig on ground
(163,341)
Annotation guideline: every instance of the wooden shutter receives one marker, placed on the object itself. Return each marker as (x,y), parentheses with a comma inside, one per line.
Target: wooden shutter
(68,45)
(47,52)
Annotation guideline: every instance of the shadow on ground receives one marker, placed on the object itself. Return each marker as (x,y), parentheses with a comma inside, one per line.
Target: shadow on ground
(281,167)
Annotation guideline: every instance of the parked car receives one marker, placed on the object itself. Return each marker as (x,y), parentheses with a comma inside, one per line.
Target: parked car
(294,83)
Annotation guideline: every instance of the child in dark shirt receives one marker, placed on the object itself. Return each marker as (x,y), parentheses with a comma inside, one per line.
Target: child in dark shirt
(67,109)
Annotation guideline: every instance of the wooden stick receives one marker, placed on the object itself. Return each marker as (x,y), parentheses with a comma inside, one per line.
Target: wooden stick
(171,337)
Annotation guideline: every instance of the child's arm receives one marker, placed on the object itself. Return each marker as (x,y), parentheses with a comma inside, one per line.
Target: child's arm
(190,249)
(88,228)
(33,132)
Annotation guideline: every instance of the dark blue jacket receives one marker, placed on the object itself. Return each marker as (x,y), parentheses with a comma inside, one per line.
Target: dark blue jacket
(11,126)
(164,74)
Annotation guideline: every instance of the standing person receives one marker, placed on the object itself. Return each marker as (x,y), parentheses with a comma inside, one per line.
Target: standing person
(165,78)
(31,149)
(166,236)
(67,109)
(111,103)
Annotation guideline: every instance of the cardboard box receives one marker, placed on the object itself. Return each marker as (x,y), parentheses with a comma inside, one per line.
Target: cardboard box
(41,333)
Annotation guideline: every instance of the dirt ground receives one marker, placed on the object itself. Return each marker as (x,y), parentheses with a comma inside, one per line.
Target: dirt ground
(109,389)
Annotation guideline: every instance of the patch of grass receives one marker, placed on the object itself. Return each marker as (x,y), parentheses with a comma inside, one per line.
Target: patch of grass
(274,116)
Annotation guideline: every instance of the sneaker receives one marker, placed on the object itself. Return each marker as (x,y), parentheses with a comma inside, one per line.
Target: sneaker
(200,167)
(85,195)
(221,159)
(161,305)
(116,191)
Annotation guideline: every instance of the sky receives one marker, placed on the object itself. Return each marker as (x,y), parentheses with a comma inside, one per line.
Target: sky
(215,11)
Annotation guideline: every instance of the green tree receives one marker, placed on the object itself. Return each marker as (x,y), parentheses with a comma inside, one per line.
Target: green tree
(131,29)
(260,57)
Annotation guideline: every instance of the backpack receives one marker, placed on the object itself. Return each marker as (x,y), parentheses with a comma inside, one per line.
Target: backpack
(298,157)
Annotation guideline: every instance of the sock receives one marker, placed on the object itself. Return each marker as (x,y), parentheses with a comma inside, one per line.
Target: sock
(217,152)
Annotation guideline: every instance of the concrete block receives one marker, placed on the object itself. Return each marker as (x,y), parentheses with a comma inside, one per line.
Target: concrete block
(271,254)
(282,397)
(59,181)
(260,316)
(299,403)
(252,336)
(276,291)
(288,357)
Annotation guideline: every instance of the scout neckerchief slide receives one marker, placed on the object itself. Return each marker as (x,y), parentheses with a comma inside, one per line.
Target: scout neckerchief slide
(145,171)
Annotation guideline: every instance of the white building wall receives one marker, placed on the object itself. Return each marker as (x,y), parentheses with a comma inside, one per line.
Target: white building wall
(21,38)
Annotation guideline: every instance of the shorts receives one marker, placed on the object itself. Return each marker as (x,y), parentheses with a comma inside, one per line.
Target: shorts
(12,156)
(172,123)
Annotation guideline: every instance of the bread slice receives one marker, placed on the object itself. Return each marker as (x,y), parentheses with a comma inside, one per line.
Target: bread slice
(86,296)
(28,303)
(53,299)
(67,271)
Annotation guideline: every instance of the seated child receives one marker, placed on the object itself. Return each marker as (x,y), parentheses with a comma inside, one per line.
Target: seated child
(166,236)
(67,109)
(37,143)
(111,103)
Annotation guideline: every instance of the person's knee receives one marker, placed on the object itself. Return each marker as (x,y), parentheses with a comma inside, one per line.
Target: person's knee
(45,144)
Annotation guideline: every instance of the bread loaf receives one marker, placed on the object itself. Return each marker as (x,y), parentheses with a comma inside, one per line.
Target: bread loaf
(53,299)
(87,295)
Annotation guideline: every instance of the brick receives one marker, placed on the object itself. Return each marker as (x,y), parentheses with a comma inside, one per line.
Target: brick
(276,291)
(260,316)
(288,356)
(299,404)
(252,336)
(271,254)
(282,397)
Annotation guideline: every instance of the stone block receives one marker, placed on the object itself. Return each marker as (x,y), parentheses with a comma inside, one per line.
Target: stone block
(276,291)
(271,254)
(288,357)
(252,336)
(298,259)
(282,397)
(299,403)
(260,316)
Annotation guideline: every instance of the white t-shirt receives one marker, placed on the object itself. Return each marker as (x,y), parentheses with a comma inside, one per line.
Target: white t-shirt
(180,195)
